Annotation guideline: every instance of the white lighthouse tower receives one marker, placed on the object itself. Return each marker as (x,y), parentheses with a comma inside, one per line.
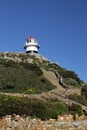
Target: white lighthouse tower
(31,45)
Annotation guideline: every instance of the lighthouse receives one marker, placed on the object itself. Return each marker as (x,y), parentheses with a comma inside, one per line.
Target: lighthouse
(31,45)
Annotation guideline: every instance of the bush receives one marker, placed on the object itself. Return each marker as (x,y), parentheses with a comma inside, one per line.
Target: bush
(30,107)
(75,109)
(56,108)
(70,81)
(36,108)
(70,74)
(11,105)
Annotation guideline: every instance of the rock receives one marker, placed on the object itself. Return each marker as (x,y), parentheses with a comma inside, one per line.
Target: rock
(65,122)
(82,117)
(60,118)
(76,117)
(17,117)
(8,129)
(39,122)
(65,118)
(51,120)
(72,91)
(7,121)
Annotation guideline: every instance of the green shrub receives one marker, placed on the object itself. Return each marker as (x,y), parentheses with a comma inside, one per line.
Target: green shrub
(30,107)
(11,105)
(70,81)
(35,108)
(56,108)
(75,109)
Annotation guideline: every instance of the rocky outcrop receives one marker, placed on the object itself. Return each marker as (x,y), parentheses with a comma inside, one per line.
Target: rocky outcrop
(16,122)
(75,91)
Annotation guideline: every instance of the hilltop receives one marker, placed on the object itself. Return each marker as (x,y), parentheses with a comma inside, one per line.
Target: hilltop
(47,85)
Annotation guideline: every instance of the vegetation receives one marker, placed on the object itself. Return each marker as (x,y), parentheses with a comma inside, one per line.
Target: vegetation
(22,78)
(75,109)
(56,108)
(35,108)
(70,77)
(84,91)
(78,98)
(70,81)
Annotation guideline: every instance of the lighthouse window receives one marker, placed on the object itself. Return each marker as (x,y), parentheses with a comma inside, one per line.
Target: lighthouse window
(27,41)
(30,40)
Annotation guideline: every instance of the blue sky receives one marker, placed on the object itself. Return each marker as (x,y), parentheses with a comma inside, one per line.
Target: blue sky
(60,27)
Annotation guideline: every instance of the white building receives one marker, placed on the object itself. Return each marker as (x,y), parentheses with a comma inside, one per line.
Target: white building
(31,45)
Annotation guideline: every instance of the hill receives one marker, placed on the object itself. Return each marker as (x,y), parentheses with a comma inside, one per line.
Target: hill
(42,83)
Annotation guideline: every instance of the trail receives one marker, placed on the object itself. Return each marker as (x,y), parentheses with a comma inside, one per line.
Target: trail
(54,80)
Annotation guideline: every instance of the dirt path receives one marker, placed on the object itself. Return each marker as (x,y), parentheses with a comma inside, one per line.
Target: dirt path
(53,79)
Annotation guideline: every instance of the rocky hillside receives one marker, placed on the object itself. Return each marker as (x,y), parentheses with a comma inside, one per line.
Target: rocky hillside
(38,63)
(35,77)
